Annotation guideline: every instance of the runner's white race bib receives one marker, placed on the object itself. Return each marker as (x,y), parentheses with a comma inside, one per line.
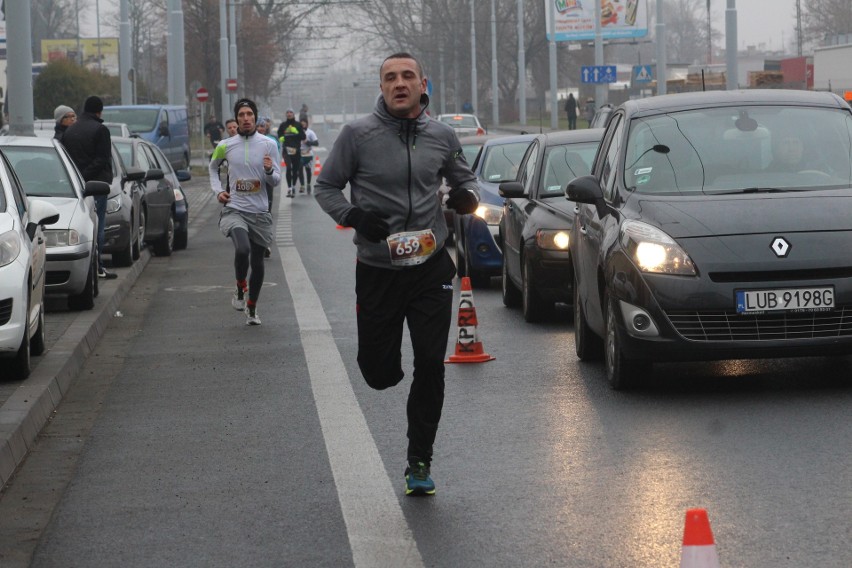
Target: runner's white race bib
(411,248)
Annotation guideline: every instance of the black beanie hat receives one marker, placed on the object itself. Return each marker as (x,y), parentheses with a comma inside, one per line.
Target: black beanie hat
(245,103)
(93,105)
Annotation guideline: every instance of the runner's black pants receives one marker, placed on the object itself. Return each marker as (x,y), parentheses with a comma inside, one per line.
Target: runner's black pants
(423,296)
(294,164)
(248,253)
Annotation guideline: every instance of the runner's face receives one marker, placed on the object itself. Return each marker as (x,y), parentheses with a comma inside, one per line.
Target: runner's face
(245,118)
(402,86)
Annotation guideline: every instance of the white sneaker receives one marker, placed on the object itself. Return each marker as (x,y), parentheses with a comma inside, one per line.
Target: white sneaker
(251,315)
(238,301)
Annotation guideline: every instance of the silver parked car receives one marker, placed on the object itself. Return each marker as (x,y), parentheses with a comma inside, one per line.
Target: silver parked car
(46,171)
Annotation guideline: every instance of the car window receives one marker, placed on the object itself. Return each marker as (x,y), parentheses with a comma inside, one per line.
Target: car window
(142,161)
(158,160)
(501,161)
(137,120)
(41,171)
(125,149)
(17,191)
(528,175)
(564,163)
(740,148)
(470,152)
(608,166)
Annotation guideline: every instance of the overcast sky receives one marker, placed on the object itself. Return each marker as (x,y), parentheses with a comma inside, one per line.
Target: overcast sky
(769,22)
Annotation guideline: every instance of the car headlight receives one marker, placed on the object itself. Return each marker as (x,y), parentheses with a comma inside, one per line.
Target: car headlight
(10,247)
(61,238)
(550,239)
(654,251)
(491,214)
(113,204)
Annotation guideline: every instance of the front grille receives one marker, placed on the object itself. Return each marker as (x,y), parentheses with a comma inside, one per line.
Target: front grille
(727,325)
(785,275)
(5,311)
(57,277)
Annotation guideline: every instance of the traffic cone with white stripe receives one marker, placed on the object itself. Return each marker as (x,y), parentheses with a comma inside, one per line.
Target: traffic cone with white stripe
(699,548)
(468,347)
(317,166)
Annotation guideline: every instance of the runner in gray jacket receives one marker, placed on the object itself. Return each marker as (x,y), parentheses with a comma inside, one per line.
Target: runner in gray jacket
(393,161)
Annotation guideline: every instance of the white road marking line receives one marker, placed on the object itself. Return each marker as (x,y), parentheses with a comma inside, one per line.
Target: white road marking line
(378,533)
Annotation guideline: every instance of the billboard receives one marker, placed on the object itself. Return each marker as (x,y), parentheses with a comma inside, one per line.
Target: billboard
(89,50)
(575,19)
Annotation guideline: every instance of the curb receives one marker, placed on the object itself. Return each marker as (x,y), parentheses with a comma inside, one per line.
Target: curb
(29,408)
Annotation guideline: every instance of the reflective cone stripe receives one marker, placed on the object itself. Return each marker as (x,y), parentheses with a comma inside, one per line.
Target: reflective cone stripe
(699,548)
(468,347)
(317,166)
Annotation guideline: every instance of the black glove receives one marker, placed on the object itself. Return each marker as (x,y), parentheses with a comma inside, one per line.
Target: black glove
(461,200)
(373,228)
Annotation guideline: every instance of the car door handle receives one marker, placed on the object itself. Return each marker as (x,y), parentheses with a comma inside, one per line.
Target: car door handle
(583,229)
(576,209)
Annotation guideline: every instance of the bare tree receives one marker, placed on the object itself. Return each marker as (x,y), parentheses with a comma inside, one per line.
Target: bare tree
(823,19)
(54,19)
(686,30)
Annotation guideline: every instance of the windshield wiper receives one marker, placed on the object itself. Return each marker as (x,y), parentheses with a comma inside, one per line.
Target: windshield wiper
(754,190)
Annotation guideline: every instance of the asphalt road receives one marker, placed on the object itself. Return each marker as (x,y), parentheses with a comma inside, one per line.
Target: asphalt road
(191,439)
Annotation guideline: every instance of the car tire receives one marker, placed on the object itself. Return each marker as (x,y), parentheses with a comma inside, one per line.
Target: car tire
(21,365)
(85,300)
(165,244)
(125,256)
(621,372)
(182,237)
(140,235)
(532,305)
(37,342)
(511,294)
(587,344)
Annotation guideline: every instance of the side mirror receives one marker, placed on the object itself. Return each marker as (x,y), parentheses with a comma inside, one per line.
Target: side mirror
(95,188)
(133,174)
(41,213)
(511,189)
(183,175)
(584,189)
(154,174)
(163,130)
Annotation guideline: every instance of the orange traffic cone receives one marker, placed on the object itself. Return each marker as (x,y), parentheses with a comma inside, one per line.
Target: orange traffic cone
(699,548)
(468,347)
(317,167)
(283,164)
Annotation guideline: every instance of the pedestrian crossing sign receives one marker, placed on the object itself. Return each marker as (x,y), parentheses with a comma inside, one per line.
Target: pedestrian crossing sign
(642,74)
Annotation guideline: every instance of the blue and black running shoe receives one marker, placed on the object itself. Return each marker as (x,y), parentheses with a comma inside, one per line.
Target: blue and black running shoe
(418,480)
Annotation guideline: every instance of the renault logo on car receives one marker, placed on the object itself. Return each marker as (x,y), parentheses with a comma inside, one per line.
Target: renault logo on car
(780,247)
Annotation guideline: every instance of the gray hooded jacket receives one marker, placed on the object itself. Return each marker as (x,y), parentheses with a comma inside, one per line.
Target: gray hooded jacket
(394,168)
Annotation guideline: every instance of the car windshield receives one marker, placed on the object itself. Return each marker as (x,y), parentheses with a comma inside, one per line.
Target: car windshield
(740,149)
(470,152)
(125,150)
(41,171)
(501,161)
(459,120)
(564,163)
(136,119)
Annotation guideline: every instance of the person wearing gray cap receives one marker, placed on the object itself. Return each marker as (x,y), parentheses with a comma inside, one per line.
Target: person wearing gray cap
(64,117)
(291,134)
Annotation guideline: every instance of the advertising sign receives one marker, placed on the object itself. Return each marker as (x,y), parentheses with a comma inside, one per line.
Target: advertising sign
(575,19)
(90,48)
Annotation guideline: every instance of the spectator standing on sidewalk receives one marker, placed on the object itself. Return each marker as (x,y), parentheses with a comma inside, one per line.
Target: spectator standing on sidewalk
(245,217)
(214,130)
(571,110)
(64,117)
(394,161)
(89,144)
(589,111)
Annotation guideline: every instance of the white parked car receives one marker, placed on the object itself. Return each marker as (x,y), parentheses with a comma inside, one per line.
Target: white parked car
(47,172)
(463,124)
(22,274)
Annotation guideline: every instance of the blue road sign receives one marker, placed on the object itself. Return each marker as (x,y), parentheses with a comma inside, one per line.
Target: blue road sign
(598,74)
(643,74)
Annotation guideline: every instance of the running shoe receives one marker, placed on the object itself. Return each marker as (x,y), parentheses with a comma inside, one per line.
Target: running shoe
(251,315)
(267,253)
(290,192)
(418,480)
(105,274)
(239,299)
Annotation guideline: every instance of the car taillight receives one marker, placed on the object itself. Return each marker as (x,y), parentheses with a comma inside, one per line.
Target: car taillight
(480,131)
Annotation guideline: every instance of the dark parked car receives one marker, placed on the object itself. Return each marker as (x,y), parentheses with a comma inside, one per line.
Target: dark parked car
(470,148)
(537,220)
(715,226)
(124,233)
(478,253)
(164,204)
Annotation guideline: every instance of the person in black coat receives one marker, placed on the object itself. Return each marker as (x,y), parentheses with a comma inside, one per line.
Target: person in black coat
(571,109)
(89,144)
